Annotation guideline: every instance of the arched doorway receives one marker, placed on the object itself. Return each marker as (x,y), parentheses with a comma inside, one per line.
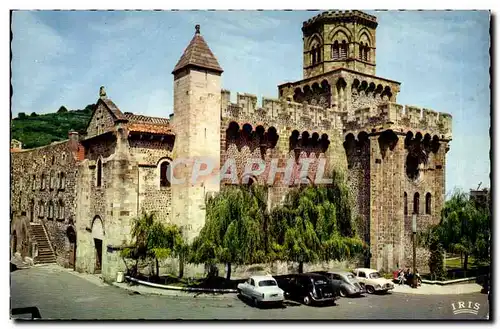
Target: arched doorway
(98,237)
(71,234)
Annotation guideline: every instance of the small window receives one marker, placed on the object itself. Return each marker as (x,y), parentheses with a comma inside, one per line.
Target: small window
(51,211)
(361,274)
(335,50)
(406,203)
(416,203)
(42,182)
(62,181)
(252,282)
(61,210)
(33,183)
(99,173)
(428,204)
(165,174)
(343,50)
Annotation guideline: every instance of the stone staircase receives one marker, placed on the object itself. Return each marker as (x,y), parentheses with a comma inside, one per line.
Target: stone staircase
(45,252)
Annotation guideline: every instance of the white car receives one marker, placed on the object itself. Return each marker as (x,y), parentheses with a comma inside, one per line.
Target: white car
(261,290)
(372,280)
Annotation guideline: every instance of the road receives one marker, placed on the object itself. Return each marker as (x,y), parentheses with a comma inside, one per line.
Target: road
(62,295)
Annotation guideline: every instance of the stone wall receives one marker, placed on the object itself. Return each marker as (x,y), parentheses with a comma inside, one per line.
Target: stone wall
(43,190)
(153,197)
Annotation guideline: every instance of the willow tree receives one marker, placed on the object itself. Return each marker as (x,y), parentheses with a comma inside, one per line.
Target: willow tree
(464,227)
(315,223)
(153,240)
(233,230)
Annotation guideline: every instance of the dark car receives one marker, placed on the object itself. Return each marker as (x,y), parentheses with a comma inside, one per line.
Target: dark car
(308,288)
(344,283)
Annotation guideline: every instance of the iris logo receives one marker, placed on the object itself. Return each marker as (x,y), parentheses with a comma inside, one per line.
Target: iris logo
(465,307)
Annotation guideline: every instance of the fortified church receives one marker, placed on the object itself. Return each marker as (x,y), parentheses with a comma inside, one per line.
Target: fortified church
(73,202)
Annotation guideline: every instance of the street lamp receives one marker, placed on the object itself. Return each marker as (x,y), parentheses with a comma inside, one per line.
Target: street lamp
(414,230)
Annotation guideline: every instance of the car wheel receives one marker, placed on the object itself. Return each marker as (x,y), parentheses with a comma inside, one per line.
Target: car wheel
(255,302)
(307,300)
(370,289)
(343,292)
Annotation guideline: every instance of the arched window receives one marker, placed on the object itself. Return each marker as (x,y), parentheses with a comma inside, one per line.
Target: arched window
(335,50)
(406,203)
(42,182)
(165,174)
(61,210)
(416,203)
(428,203)
(366,56)
(99,173)
(361,50)
(313,55)
(62,181)
(343,49)
(51,210)
(56,210)
(318,54)
(41,209)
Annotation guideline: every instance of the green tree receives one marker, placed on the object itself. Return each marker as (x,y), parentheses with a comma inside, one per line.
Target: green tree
(21,115)
(33,114)
(153,240)
(315,223)
(232,233)
(62,109)
(464,227)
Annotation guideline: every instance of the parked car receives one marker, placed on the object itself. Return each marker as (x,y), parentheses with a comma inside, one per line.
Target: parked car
(344,283)
(261,290)
(308,288)
(372,280)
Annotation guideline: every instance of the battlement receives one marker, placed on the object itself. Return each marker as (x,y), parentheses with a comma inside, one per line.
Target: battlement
(401,118)
(278,111)
(341,15)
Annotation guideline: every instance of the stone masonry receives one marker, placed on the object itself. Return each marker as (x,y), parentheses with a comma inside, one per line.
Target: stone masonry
(340,114)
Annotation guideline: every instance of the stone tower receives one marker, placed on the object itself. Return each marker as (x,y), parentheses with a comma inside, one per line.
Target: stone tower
(197,106)
(339,39)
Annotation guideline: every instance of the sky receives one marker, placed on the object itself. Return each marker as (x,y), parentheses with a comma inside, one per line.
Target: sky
(441,59)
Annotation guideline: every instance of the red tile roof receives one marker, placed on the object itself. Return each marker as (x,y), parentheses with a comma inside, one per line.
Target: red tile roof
(147,124)
(198,54)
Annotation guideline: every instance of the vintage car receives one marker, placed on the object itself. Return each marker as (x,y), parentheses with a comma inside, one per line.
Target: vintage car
(344,283)
(261,290)
(308,288)
(372,280)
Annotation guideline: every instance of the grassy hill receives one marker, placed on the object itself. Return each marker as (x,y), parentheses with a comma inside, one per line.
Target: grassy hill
(42,129)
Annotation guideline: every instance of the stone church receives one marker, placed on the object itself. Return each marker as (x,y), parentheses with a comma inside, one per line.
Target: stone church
(73,202)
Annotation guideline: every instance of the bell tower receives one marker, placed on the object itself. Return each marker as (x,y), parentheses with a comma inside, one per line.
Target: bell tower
(335,39)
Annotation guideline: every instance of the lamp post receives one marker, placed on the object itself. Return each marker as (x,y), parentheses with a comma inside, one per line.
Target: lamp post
(414,230)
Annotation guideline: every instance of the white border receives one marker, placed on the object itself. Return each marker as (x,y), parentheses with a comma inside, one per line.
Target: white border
(195,4)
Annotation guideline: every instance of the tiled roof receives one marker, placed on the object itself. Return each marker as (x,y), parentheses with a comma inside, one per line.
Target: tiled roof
(150,129)
(198,54)
(135,118)
(147,124)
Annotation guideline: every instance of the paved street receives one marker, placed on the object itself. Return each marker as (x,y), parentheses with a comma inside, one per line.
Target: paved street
(62,295)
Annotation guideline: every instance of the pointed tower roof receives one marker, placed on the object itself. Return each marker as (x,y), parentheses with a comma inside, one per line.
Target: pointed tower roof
(197,54)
